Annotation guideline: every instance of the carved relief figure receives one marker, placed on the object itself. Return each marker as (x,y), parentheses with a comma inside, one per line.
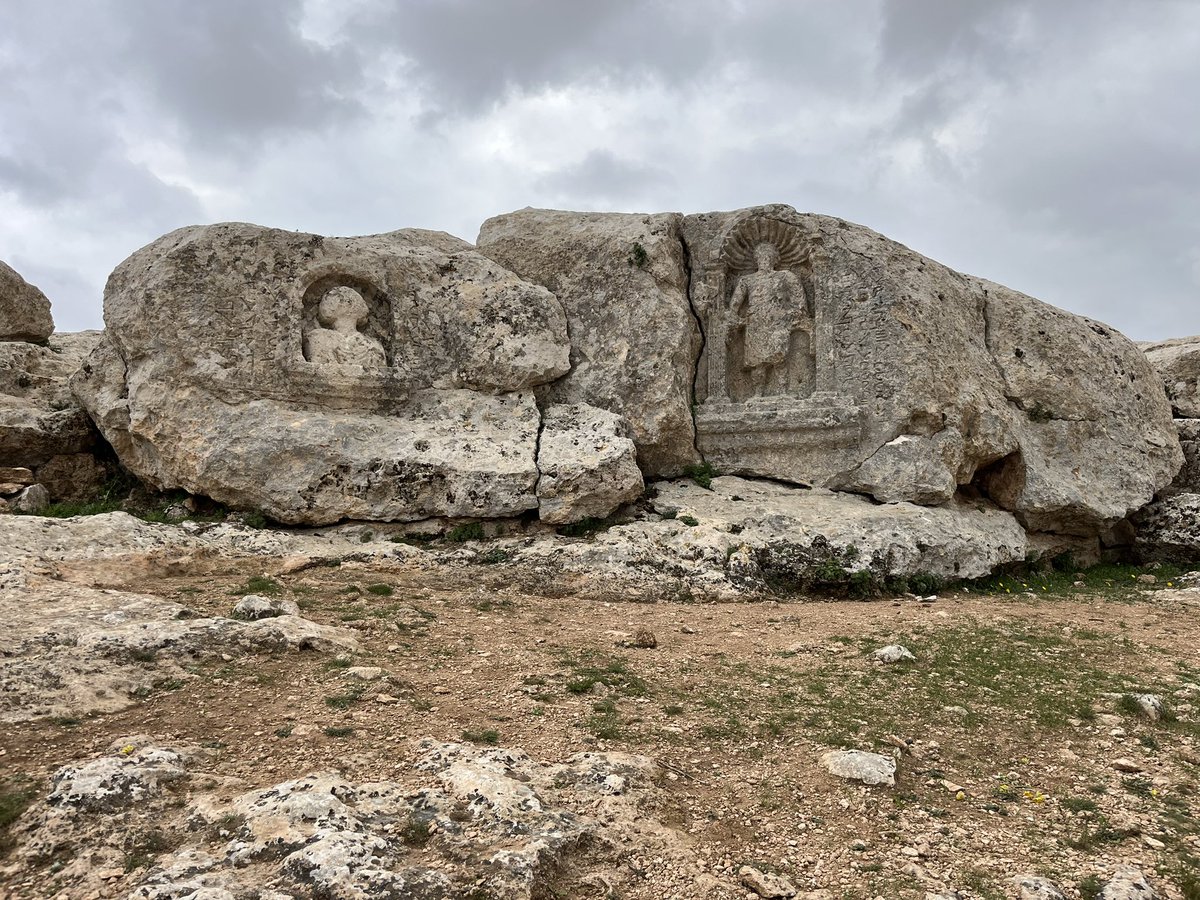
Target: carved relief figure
(771,306)
(760,317)
(337,340)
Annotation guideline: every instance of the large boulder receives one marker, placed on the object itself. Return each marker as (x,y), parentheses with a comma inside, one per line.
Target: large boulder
(42,426)
(1177,361)
(317,379)
(587,463)
(24,310)
(622,279)
(838,358)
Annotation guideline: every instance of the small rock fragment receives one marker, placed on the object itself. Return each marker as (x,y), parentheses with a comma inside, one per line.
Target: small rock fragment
(894,653)
(1034,887)
(1128,883)
(644,639)
(1126,765)
(253,607)
(1150,706)
(364,673)
(858,765)
(766,884)
(32,499)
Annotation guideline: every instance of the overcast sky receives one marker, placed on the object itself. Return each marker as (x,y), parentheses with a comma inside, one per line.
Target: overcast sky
(1052,145)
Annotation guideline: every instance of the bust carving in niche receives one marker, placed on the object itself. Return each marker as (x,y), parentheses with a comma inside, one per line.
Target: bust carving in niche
(337,341)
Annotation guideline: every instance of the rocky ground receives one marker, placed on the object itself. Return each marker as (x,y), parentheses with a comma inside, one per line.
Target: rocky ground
(484,719)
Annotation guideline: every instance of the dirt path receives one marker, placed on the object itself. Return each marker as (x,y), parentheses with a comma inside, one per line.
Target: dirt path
(1007,724)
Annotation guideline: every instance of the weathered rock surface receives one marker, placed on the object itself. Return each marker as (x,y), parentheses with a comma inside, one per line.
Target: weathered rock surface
(318,379)
(393,377)
(24,310)
(32,499)
(1168,530)
(892,654)
(766,884)
(1177,361)
(587,464)
(459,821)
(253,607)
(69,650)
(1188,479)
(791,531)
(36,547)
(42,426)
(836,357)
(622,279)
(760,537)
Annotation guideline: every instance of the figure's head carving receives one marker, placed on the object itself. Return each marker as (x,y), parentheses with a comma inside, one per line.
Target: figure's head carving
(335,338)
(766,255)
(342,309)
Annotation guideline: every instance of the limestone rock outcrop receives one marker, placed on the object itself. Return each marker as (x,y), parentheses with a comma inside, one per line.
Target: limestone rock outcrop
(410,375)
(70,650)
(1177,361)
(748,536)
(318,379)
(836,357)
(1188,479)
(457,821)
(1168,530)
(42,427)
(622,279)
(587,464)
(24,310)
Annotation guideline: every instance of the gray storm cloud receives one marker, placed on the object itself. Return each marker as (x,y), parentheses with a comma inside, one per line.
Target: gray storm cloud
(1049,146)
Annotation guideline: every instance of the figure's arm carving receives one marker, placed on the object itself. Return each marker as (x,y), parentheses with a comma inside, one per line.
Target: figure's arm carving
(741,297)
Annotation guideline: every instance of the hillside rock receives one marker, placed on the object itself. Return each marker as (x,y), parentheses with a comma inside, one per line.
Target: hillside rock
(42,426)
(838,358)
(319,379)
(587,463)
(622,279)
(1177,362)
(24,310)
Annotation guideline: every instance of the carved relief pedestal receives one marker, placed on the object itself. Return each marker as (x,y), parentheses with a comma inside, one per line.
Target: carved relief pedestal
(787,439)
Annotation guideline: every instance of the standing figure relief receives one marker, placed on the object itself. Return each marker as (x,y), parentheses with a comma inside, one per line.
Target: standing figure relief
(761,319)
(771,307)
